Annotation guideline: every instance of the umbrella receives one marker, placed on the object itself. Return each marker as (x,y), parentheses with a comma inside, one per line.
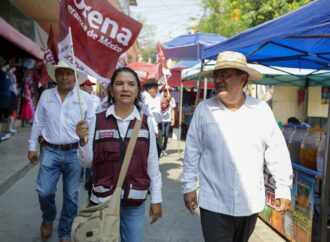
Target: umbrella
(190,46)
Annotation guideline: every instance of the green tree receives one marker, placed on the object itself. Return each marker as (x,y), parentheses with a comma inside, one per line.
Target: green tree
(229,17)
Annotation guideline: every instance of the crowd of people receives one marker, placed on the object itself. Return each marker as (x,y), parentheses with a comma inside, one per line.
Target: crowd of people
(230,138)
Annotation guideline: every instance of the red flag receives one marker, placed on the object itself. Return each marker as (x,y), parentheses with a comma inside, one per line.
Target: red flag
(50,56)
(161,56)
(100,34)
(162,65)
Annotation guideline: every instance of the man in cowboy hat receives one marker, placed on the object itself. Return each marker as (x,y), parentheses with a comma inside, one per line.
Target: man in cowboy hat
(230,138)
(57,114)
(151,107)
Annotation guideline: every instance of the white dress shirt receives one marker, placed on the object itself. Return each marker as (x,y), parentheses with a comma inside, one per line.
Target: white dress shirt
(56,121)
(85,153)
(167,114)
(151,107)
(227,149)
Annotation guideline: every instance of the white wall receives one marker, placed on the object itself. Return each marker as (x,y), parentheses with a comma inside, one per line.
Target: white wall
(315,108)
(285,103)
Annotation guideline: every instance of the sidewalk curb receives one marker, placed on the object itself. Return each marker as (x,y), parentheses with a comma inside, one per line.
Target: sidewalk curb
(7,182)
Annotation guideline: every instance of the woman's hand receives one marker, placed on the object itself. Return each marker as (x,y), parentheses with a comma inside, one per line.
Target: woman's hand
(155,211)
(82,132)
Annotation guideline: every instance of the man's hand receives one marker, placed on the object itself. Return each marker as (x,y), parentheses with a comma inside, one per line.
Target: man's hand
(33,157)
(282,204)
(155,211)
(190,199)
(82,132)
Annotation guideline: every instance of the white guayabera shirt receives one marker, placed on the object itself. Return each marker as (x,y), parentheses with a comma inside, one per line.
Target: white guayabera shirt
(227,149)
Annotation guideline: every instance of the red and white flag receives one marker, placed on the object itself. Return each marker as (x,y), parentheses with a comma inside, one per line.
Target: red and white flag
(162,71)
(50,56)
(100,34)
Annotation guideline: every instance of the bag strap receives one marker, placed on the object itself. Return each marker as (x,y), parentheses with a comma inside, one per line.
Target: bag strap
(129,152)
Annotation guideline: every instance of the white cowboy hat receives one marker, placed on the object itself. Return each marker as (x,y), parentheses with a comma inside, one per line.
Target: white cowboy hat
(236,60)
(61,64)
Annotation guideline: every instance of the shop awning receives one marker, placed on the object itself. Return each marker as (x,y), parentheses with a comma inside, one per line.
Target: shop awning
(13,36)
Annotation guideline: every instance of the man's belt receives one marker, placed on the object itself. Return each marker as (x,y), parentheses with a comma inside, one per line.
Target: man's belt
(59,146)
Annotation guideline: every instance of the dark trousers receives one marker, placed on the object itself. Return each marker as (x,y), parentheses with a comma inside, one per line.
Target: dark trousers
(159,139)
(219,227)
(165,131)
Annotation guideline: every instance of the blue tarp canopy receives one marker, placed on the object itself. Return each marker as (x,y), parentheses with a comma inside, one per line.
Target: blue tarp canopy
(299,39)
(190,46)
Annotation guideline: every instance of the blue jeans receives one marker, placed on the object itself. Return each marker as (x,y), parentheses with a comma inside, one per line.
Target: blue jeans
(165,131)
(132,223)
(53,163)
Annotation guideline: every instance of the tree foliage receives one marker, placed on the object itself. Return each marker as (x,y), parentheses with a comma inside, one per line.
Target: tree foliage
(229,17)
(146,39)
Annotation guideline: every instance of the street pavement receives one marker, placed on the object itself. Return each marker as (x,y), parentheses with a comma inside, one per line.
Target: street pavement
(21,216)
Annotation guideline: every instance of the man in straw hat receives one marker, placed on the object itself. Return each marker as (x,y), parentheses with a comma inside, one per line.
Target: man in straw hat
(231,137)
(56,118)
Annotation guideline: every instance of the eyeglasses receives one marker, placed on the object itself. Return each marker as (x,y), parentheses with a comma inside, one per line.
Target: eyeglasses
(223,76)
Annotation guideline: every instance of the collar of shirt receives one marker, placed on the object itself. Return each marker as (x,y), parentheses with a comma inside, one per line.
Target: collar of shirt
(73,91)
(134,115)
(249,103)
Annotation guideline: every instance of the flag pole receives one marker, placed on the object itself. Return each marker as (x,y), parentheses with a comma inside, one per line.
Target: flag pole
(75,73)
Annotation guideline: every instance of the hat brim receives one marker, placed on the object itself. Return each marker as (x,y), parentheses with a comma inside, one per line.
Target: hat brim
(52,68)
(88,84)
(152,85)
(254,75)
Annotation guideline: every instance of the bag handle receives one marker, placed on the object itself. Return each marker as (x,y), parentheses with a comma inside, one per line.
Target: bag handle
(129,152)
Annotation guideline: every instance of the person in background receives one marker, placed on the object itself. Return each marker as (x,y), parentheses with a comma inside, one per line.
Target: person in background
(151,107)
(104,96)
(27,111)
(87,86)
(230,139)
(56,117)
(104,151)
(13,100)
(294,121)
(167,104)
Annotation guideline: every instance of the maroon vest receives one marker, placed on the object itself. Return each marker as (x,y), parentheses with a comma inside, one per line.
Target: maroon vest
(109,151)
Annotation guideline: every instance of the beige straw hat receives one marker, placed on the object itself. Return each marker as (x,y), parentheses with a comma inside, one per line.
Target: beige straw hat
(236,60)
(62,64)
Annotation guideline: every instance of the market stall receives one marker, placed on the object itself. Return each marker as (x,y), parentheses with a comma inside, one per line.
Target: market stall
(299,39)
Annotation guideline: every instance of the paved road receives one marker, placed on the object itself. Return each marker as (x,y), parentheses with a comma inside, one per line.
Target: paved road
(20,214)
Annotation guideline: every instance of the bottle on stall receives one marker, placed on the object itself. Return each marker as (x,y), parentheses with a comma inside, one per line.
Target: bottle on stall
(288,131)
(295,143)
(309,146)
(321,154)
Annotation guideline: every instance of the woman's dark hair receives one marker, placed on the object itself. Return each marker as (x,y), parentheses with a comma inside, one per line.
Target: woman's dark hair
(137,100)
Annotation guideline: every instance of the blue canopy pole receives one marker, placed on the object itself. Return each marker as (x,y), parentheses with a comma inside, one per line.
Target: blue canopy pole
(199,82)
(180,116)
(323,219)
